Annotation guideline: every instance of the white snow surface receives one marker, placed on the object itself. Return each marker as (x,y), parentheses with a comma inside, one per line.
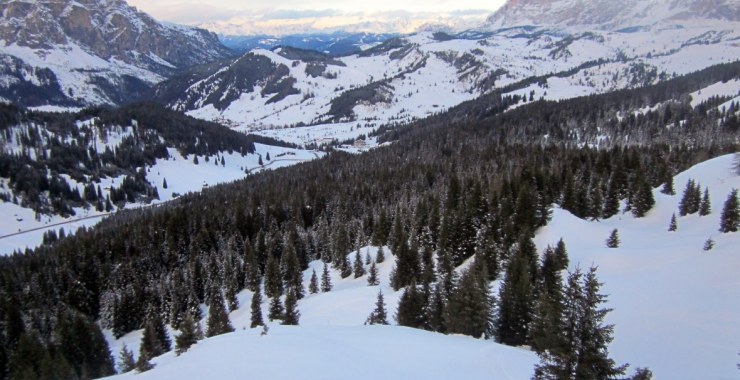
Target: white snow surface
(20,228)
(676,309)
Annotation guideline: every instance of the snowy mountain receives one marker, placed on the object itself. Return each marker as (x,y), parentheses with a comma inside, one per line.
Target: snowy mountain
(660,321)
(88,52)
(409,78)
(338,43)
(612,15)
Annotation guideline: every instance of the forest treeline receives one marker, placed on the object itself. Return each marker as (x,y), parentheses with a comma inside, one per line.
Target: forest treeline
(44,151)
(443,192)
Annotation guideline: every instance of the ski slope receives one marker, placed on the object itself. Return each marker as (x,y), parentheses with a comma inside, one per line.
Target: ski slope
(675,305)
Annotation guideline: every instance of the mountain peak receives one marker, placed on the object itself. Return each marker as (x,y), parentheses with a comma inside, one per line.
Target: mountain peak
(611,15)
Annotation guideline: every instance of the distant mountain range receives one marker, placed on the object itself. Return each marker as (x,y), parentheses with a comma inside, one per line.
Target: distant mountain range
(338,43)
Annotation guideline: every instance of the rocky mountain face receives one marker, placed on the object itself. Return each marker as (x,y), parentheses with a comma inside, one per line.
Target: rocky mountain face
(112,43)
(611,15)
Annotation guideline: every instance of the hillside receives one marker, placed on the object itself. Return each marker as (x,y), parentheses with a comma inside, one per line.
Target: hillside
(659,321)
(410,78)
(91,52)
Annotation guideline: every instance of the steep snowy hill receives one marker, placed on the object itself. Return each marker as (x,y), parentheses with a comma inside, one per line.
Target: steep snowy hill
(409,78)
(675,309)
(86,52)
(65,172)
(612,15)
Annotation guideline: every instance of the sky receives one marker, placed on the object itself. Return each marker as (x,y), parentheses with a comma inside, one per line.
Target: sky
(294,16)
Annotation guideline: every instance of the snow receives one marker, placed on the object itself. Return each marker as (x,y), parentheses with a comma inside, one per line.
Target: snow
(676,306)
(24,230)
(730,88)
(676,309)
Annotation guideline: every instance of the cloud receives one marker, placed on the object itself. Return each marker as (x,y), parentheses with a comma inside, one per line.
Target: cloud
(285,14)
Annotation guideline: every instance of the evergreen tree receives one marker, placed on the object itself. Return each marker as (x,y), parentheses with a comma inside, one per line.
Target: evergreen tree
(155,341)
(545,329)
(143,363)
(358,269)
(291,270)
(326,279)
(276,309)
(164,183)
(292,315)
(256,307)
(411,308)
(273,280)
(673,225)
(252,276)
(690,200)
(730,218)
(218,320)
(642,196)
(368,260)
(668,188)
(469,310)
(190,334)
(380,255)
(708,244)
(379,314)
(584,354)
(313,285)
(705,208)
(613,240)
(372,278)
(126,361)
(515,302)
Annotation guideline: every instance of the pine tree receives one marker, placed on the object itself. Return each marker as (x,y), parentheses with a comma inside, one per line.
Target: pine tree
(291,269)
(411,308)
(667,188)
(469,309)
(276,309)
(190,334)
(292,315)
(313,285)
(164,183)
(705,208)
(380,255)
(730,218)
(256,307)
(708,244)
(379,314)
(273,280)
(515,302)
(358,269)
(126,361)
(642,198)
(218,320)
(613,240)
(345,269)
(544,331)
(368,260)
(584,354)
(326,279)
(372,278)
(155,340)
(673,225)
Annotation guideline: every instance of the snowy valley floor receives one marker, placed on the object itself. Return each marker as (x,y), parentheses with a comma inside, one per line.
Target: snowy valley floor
(676,309)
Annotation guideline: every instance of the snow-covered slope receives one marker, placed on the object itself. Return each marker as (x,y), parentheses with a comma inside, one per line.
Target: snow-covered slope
(417,76)
(611,15)
(91,51)
(676,308)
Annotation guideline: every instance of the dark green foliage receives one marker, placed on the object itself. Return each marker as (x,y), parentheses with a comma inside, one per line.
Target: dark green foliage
(379,315)
(673,225)
(90,360)
(411,308)
(218,320)
(613,240)
(545,332)
(708,244)
(641,200)
(155,341)
(256,307)
(276,309)
(691,199)
(292,315)
(729,221)
(291,270)
(190,334)
(516,302)
(380,255)
(273,279)
(583,353)
(325,279)
(372,278)
(357,267)
(313,285)
(469,310)
(705,208)
(126,361)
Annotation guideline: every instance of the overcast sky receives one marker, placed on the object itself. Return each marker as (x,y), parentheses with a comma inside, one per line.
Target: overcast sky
(316,14)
